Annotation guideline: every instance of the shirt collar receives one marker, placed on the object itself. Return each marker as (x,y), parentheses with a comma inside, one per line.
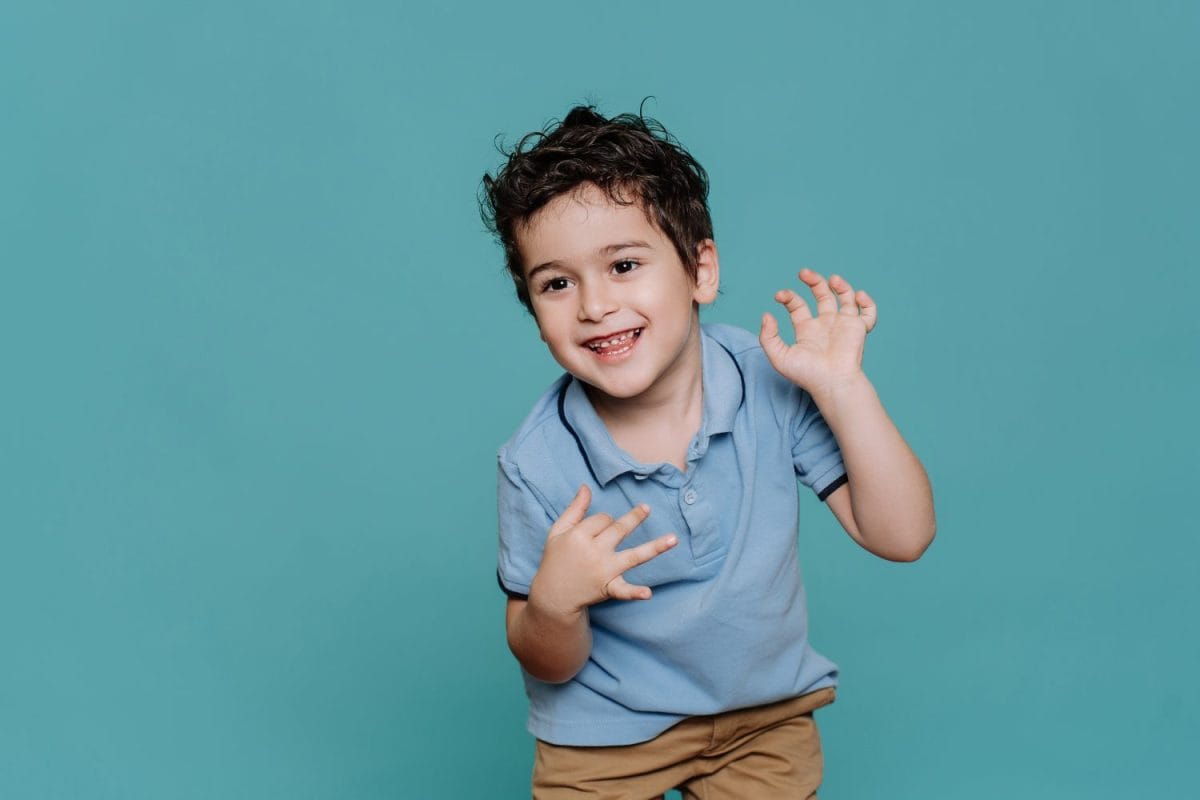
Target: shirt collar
(724,390)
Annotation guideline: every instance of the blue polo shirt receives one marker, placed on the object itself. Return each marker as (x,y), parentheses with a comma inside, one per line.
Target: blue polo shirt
(727,626)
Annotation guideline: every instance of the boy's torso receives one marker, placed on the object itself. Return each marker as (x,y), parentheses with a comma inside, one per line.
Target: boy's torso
(727,626)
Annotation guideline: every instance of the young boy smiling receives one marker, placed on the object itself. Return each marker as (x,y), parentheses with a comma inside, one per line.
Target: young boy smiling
(663,637)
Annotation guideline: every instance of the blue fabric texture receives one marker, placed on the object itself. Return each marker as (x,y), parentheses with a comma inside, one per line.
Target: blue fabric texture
(727,626)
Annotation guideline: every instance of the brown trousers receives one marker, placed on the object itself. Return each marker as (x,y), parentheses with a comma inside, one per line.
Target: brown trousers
(760,753)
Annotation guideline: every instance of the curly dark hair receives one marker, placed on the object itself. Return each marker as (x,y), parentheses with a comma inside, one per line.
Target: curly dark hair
(633,158)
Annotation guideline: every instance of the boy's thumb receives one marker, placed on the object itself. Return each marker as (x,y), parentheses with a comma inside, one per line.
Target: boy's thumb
(772,344)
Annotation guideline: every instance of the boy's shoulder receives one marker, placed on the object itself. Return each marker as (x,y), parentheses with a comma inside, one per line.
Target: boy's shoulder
(747,352)
(739,342)
(529,440)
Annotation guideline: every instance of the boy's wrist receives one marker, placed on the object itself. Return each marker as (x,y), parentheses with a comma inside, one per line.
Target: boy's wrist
(842,395)
(552,645)
(552,609)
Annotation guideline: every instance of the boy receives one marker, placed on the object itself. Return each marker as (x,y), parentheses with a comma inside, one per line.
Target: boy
(663,637)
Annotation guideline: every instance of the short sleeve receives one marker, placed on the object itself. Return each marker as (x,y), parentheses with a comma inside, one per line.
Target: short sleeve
(815,453)
(524,523)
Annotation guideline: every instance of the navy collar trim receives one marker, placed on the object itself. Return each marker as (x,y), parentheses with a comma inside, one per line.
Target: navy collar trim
(562,416)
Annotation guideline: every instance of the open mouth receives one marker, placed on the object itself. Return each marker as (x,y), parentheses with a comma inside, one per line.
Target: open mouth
(615,345)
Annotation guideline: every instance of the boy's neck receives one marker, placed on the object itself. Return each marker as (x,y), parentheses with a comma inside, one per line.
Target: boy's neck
(672,408)
(676,402)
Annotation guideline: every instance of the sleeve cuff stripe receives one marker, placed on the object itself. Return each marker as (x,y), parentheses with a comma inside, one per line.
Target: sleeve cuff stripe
(510,592)
(824,493)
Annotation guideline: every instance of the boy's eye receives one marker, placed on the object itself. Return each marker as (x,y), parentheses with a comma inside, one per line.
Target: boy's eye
(555,285)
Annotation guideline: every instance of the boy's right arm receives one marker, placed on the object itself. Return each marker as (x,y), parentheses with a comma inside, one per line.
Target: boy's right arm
(549,632)
(550,647)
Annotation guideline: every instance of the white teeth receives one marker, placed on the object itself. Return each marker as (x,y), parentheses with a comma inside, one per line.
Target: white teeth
(616,340)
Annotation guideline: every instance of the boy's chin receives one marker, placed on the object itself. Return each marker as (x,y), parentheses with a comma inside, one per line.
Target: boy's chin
(610,392)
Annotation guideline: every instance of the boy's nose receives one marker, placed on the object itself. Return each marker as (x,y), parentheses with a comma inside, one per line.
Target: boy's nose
(595,303)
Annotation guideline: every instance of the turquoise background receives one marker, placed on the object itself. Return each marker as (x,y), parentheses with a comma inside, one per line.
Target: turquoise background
(258,353)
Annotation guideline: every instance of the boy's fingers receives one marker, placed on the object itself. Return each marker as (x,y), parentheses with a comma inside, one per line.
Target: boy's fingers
(574,512)
(621,527)
(619,589)
(870,312)
(595,524)
(845,295)
(826,303)
(772,344)
(644,552)
(797,309)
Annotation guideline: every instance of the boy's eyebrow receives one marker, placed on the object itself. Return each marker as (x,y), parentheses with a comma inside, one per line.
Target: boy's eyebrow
(607,250)
(539,268)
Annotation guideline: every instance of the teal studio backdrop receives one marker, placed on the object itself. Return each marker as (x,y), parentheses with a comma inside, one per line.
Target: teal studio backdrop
(258,353)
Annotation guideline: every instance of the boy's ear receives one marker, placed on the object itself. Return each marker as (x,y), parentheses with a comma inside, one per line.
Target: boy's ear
(708,273)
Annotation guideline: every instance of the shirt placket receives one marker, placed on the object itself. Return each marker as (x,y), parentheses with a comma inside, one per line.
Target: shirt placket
(698,511)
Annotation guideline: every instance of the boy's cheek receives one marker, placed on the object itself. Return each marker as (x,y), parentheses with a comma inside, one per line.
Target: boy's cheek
(537,322)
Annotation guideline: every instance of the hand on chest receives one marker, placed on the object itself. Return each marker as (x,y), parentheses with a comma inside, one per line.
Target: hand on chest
(695,505)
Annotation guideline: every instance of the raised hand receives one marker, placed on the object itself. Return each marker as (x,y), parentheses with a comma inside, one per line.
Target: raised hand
(829,347)
(580,564)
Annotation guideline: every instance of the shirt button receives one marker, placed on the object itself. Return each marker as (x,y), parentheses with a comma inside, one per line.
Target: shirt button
(690,496)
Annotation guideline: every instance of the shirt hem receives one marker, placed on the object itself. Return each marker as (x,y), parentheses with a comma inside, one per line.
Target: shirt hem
(621,733)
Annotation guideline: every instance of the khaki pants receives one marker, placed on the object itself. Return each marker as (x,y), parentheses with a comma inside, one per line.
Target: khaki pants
(760,753)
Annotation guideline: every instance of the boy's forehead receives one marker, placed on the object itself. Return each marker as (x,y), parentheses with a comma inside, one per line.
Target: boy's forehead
(584,221)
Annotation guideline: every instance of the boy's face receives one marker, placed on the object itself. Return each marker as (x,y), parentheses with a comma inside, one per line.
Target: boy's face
(612,299)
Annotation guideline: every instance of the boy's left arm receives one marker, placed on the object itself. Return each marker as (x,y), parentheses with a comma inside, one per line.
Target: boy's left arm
(886,504)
